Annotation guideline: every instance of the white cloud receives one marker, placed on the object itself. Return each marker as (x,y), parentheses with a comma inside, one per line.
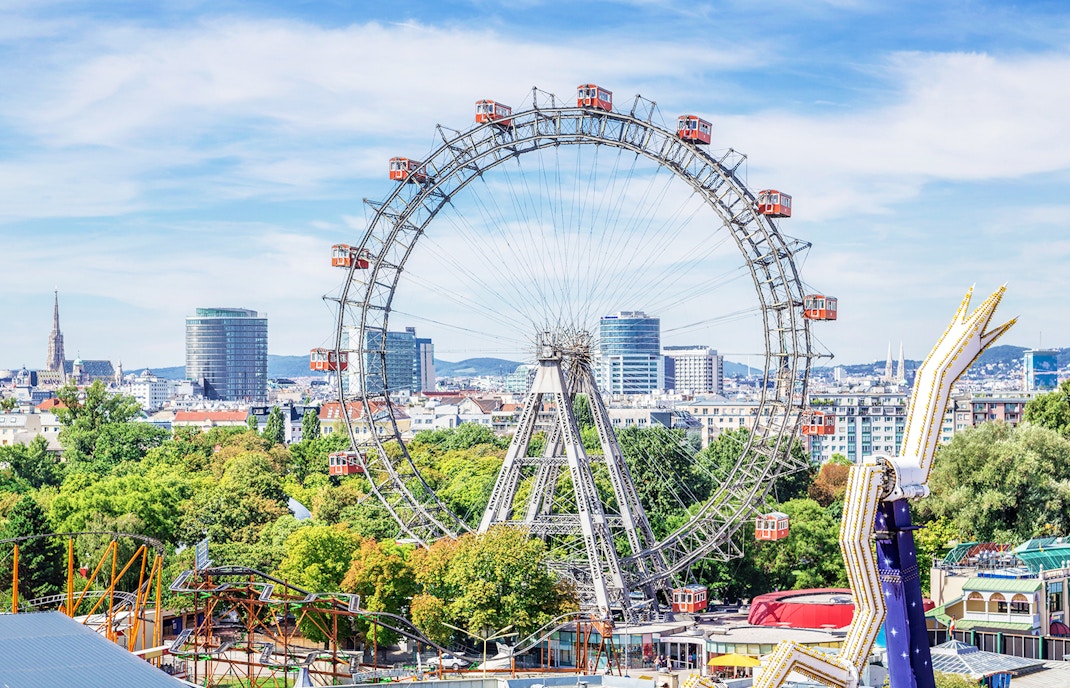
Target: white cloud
(122,119)
(954,117)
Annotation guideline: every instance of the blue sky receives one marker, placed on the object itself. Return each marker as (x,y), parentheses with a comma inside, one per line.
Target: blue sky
(157,157)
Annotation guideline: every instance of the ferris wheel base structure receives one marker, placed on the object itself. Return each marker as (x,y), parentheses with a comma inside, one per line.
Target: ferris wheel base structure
(432,186)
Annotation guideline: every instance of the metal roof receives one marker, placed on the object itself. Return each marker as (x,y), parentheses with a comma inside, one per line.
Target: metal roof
(46,649)
(1002,585)
(1025,627)
(954,657)
(1047,553)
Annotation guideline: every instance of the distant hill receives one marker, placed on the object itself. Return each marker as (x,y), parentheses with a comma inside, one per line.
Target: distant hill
(297,366)
(1000,358)
(475,367)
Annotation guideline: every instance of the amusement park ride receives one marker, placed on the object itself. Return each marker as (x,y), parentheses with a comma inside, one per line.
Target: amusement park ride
(584,533)
(586,538)
(115,596)
(884,580)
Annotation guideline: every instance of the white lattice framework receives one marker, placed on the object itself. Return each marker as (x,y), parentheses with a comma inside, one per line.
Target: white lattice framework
(365,305)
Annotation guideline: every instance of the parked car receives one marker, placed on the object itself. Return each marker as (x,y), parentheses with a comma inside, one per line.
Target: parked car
(448,662)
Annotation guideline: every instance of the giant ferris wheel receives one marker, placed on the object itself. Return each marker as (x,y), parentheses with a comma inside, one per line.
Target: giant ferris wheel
(517,235)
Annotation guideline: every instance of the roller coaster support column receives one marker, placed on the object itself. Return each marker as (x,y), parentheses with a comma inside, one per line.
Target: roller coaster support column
(905,633)
(15,580)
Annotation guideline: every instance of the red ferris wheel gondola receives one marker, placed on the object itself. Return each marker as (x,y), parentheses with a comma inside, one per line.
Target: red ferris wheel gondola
(321,359)
(774,203)
(344,256)
(594,96)
(345,463)
(819,423)
(694,129)
(406,170)
(771,526)
(493,111)
(819,307)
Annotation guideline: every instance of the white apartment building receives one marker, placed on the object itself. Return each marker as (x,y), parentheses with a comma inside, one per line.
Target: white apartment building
(716,414)
(867,423)
(693,370)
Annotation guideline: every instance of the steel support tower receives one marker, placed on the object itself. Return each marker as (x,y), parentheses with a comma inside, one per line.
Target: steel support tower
(581,531)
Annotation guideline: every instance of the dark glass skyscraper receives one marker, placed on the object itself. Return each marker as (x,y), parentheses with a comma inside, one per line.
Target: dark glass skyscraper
(226,351)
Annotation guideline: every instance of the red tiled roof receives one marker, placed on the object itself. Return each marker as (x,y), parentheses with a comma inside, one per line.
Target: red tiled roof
(51,403)
(332,410)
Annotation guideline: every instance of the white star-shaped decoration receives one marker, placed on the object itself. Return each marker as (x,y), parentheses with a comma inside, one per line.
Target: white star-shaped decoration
(894,632)
(905,656)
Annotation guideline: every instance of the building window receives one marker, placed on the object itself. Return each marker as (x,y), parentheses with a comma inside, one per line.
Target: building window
(1055,597)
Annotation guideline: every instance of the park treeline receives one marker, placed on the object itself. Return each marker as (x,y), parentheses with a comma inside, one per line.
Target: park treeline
(992,482)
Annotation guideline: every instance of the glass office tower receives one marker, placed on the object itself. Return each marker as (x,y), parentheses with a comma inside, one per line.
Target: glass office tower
(629,354)
(1041,369)
(227,352)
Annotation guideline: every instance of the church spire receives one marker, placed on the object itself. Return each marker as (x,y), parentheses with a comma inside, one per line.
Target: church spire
(55,341)
(888,365)
(901,371)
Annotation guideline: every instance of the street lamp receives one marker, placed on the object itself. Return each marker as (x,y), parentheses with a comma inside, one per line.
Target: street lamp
(492,635)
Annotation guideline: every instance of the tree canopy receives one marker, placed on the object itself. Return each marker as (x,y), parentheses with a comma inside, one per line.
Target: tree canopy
(42,566)
(1051,410)
(99,428)
(486,581)
(996,482)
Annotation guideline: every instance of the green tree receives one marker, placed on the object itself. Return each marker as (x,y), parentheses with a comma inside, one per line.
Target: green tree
(464,436)
(8,404)
(581,406)
(274,430)
(468,478)
(33,462)
(995,482)
(382,575)
(309,456)
(1051,410)
(946,680)
(234,507)
(317,559)
(153,496)
(310,423)
(933,539)
(720,457)
(666,478)
(487,581)
(42,565)
(809,557)
(99,427)
(252,423)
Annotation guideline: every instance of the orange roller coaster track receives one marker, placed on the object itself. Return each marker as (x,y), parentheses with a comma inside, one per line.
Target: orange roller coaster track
(97,597)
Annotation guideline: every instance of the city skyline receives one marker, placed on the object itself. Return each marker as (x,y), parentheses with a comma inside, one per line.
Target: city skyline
(161,159)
